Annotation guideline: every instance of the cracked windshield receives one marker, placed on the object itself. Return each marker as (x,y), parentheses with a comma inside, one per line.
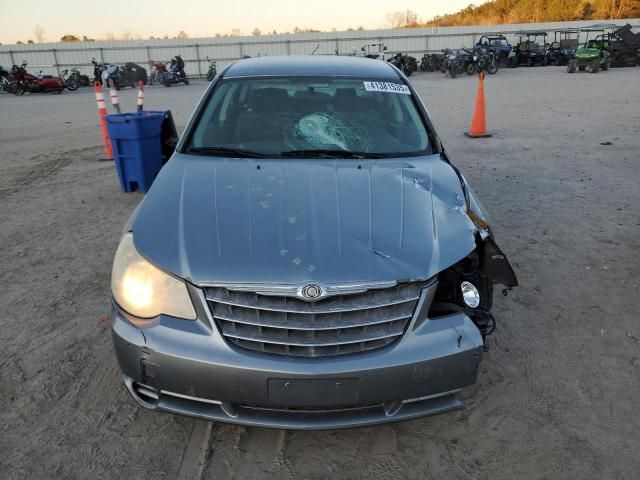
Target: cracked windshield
(335,116)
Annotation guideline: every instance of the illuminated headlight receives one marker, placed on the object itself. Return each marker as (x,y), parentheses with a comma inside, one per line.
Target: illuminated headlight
(470,294)
(145,291)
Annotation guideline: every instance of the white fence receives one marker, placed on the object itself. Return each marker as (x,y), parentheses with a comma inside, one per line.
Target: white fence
(53,57)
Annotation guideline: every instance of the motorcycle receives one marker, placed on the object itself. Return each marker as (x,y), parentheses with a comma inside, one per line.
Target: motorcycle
(98,68)
(110,74)
(26,82)
(176,73)
(212,72)
(430,62)
(7,83)
(405,63)
(482,60)
(453,63)
(158,71)
(71,79)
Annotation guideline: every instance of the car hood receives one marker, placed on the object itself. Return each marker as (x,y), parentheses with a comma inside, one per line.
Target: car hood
(215,220)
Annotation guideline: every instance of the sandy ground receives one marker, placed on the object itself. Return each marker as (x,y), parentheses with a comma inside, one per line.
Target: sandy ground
(557,394)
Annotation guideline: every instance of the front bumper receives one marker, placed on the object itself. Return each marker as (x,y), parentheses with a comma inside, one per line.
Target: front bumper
(187,367)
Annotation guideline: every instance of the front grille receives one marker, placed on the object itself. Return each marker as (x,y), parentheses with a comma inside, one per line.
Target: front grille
(336,325)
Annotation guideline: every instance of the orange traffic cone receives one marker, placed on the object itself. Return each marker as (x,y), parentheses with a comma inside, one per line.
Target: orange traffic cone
(102,112)
(479,122)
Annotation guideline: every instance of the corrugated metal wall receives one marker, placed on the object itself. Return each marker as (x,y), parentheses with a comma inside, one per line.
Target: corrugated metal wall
(53,57)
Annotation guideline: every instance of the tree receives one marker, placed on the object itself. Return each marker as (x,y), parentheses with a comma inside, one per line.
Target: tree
(182,35)
(39,33)
(256,32)
(236,32)
(30,42)
(87,39)
(404,19)
(69,38)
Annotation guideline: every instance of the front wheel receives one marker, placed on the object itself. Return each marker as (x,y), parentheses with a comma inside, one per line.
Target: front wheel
(471,68)
(19,89)
(571,67)
(492,67)
(595,66)
(72,84)
(453,71)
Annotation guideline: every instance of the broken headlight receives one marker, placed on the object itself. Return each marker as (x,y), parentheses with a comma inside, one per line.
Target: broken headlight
(464,288)
(144,290)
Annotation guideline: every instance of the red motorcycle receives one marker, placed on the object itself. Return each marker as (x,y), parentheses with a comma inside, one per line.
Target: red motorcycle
(26,82)
(158,72)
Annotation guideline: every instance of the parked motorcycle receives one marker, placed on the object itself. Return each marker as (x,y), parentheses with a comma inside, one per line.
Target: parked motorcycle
(98,68)
(404,63)
(70,79)
(27,82)
(453,63)
(110,74)
(212,72)
(158,71)
(430,62)
(481,60)
(176,73)
(7,82)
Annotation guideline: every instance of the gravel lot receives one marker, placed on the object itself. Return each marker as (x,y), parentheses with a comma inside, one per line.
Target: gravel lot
(557,394)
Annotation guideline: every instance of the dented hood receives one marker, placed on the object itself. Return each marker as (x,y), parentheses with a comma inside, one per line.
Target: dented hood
(288,221)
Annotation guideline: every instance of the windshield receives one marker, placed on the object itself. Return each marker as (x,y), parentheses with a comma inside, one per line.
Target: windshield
(275,115)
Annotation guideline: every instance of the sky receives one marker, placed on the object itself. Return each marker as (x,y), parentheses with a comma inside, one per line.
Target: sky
(199,18)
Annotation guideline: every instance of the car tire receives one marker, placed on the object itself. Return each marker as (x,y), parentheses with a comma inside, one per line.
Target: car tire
(571,66)
(529,62)
(595,66)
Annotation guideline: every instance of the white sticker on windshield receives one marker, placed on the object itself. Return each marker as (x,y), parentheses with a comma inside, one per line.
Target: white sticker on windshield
(386,87)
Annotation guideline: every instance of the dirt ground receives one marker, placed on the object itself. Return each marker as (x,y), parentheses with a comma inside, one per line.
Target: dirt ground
(557,394)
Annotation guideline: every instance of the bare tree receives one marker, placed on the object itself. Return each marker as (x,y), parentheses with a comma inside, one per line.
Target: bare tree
(182,35)
(39,33)
(256,32)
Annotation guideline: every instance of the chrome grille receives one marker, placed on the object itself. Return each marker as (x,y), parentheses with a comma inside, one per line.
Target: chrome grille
(335,325)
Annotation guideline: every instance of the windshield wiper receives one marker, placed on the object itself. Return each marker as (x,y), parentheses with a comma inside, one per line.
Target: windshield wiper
(328,153)
(225,152)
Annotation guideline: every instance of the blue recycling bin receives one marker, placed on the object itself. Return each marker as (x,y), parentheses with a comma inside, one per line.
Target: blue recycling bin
(137,148)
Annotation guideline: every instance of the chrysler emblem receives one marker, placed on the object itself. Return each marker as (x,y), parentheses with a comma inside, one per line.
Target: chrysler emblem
(311,292)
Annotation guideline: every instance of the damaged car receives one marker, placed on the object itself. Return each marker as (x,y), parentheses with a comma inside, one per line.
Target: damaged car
(309,258)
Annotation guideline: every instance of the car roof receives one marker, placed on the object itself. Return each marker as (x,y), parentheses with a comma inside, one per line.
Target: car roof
(311,65)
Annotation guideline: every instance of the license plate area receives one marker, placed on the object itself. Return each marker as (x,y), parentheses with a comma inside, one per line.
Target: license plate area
(313,393)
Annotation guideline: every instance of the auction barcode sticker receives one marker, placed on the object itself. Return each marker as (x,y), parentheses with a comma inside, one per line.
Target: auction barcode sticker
(386,87)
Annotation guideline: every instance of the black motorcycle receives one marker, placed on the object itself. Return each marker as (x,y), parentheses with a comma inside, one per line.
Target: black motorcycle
(212,72)
(405,63)
(175,73)
(430,62)
(453,62)
(6,80)
(481,60)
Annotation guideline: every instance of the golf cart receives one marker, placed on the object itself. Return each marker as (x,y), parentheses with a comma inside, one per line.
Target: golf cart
(563,48)
(498,44)
(594,54)
(373,50)
(624,47)
(529,51)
